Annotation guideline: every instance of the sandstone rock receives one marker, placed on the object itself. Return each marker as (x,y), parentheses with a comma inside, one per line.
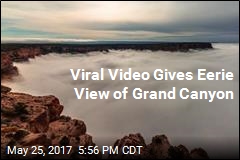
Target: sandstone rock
(39,122)
(30,112)
(28,120)
(199,153)
(35,139)
(24,53)
(130,140)
(10,135)
(159,147)
(7,68)
(184,151)
(70,128)
(54,107)
(35,120)
(82,140)
(180,152)
(5,89)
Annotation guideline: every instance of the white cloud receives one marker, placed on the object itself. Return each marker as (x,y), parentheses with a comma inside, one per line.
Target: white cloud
(73,18)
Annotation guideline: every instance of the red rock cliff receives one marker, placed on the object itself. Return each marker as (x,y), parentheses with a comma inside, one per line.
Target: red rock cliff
(28,120)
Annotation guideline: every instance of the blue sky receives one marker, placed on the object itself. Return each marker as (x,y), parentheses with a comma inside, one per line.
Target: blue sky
(86,21)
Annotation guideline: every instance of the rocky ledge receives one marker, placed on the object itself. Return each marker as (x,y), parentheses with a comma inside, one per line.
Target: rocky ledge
(28,120)
(7,68)
(22,52)
(8,56)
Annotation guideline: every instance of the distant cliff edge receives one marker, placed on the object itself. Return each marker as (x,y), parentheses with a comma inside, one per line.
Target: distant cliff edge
(22,52)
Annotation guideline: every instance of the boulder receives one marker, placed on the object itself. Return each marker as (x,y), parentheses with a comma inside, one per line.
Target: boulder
(7,68)
(31,112)
(199,153)
(130,140)
(70,127)
(179,152)
(5,89)
(158,149)
(35,139)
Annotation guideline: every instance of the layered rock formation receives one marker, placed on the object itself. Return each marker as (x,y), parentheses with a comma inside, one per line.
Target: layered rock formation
(84,48)
(28,120)
(7,68)
(10,55)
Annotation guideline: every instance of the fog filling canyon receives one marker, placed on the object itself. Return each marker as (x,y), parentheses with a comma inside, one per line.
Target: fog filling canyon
(196,123)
